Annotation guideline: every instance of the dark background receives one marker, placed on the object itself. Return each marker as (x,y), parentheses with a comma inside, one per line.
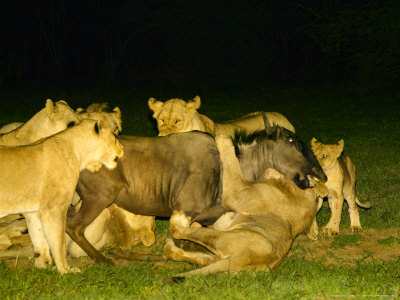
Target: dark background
(199,43)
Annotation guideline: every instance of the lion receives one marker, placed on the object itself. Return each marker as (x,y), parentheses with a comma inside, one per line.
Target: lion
(176,115)
(96,111)
(341,184)
(115,228)
(100,111)
(264,219)
(54,118)
(39,181)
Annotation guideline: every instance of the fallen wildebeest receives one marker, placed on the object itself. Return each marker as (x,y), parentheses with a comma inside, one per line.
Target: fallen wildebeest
(267,216)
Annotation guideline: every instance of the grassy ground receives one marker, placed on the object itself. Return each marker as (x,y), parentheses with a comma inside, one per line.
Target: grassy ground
(368,122)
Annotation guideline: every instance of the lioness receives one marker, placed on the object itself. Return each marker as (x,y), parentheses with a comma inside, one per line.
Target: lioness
(100,111)
(341,173)
(54,118)
(115,228)
(177,115)
(39,181)
(267,216)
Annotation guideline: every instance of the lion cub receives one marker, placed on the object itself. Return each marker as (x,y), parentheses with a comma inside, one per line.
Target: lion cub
(341,184)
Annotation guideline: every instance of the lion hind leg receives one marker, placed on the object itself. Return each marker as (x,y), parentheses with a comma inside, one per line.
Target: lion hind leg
(41,248)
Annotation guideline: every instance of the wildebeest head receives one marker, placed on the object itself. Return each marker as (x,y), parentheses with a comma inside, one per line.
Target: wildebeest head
(278,148)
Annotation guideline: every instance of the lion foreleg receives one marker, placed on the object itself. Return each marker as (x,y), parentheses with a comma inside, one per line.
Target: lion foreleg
(53,223)
(336,205)
(40,245)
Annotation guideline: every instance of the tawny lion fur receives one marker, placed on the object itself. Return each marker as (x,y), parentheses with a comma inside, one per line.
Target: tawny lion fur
(267,216)
(39,181)
(113,228)
(177,115)
(341,184)
(52,119)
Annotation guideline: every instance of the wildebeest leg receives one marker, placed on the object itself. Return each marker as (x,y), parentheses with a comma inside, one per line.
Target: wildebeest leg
(77,224)
(41,248)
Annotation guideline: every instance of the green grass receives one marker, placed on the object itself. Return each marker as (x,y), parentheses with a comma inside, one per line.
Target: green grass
(368,122)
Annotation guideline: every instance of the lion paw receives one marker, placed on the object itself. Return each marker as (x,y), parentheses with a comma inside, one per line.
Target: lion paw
(355,229)
(74,270)
(329,231)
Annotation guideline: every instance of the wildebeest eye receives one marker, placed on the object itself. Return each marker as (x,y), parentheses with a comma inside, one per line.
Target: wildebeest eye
(71,124)
(290,140)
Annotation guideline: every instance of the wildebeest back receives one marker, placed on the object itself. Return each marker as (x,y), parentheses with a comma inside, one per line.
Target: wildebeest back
(157,175)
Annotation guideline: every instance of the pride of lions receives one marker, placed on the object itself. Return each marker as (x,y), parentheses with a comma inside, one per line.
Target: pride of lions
(245,224)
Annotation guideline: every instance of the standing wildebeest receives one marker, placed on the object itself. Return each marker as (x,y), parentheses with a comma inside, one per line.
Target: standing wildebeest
(156,176)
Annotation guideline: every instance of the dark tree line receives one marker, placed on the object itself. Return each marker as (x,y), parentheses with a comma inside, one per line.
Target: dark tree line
(190,42)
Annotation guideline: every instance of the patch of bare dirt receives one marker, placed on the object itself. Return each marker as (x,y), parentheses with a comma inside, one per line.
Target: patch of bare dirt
(378,244)
(346,249)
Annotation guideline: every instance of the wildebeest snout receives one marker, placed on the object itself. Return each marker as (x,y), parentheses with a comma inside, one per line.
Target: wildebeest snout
(318,173)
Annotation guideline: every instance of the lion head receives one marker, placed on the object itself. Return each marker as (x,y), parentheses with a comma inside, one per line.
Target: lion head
(326,154)
(175,115)
(59,116)
(100,111)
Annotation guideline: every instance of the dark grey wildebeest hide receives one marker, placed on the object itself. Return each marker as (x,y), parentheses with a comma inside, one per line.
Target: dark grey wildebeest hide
(156,176)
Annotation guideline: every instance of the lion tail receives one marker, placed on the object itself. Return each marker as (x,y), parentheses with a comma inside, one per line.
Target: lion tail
(14,252)
(223,265)
(366,204)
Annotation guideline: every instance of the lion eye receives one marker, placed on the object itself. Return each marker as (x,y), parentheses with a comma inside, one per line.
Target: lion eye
(160,121)
(71,124)
(324,156)
(177,122)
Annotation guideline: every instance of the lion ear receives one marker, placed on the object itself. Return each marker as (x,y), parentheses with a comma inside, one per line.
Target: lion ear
(194,103)
(117,117)
(314,142)
(79,110)
(340,146)
(155,105)
(99,125)
(50,107)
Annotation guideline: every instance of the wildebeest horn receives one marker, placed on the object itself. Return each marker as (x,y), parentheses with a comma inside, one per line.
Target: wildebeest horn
(268,128)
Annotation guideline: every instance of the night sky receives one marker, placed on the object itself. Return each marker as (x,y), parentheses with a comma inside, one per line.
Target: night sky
(208,42)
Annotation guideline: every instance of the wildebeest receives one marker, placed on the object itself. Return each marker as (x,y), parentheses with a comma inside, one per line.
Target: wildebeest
(277,148)
(182,172)
(156,176)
